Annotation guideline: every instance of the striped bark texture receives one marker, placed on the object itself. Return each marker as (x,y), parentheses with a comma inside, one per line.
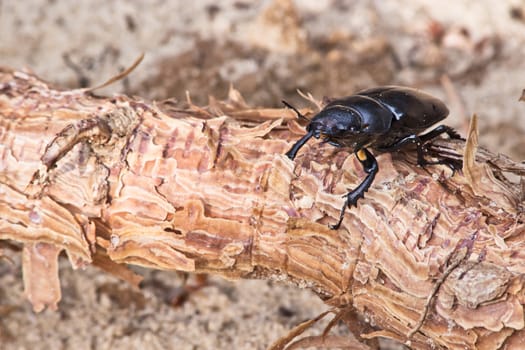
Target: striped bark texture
(429,258)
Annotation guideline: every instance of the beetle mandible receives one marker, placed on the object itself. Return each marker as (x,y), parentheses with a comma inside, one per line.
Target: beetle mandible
(385,119)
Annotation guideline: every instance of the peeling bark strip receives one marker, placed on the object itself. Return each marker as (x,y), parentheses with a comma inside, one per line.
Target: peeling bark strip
(126,181)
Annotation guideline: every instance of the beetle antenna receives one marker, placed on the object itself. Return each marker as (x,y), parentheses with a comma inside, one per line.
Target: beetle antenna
(299,114)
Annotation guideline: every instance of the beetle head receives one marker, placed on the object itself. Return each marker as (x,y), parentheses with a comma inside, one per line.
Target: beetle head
(336,121)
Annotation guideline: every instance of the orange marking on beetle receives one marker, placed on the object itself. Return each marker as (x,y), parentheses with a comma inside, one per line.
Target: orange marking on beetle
(361,155)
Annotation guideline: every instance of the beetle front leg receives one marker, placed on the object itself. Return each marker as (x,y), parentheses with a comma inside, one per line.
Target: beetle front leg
(370,167)
(300,143)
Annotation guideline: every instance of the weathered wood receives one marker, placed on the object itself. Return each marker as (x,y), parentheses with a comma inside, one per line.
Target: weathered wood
(209,190)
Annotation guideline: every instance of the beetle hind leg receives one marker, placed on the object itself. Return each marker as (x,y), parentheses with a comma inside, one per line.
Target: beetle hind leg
(420,140)
(439,130)
(454,165)
(370,167)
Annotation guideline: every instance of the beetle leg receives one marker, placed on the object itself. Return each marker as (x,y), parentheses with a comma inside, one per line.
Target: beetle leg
(441,129)
(420,140)
(370,167)
(414,139)
(293,151)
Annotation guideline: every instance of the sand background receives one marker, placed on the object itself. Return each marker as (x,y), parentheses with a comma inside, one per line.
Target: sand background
(470,53)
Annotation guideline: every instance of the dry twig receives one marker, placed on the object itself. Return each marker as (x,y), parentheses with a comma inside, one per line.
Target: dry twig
(115,181)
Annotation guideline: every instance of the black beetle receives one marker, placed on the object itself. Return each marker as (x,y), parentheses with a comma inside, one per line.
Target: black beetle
(385,119)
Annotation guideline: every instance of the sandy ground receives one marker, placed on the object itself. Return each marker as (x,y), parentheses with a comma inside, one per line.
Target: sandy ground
(470,53)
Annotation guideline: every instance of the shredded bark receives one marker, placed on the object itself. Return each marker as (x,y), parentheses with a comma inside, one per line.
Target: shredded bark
(116,181)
